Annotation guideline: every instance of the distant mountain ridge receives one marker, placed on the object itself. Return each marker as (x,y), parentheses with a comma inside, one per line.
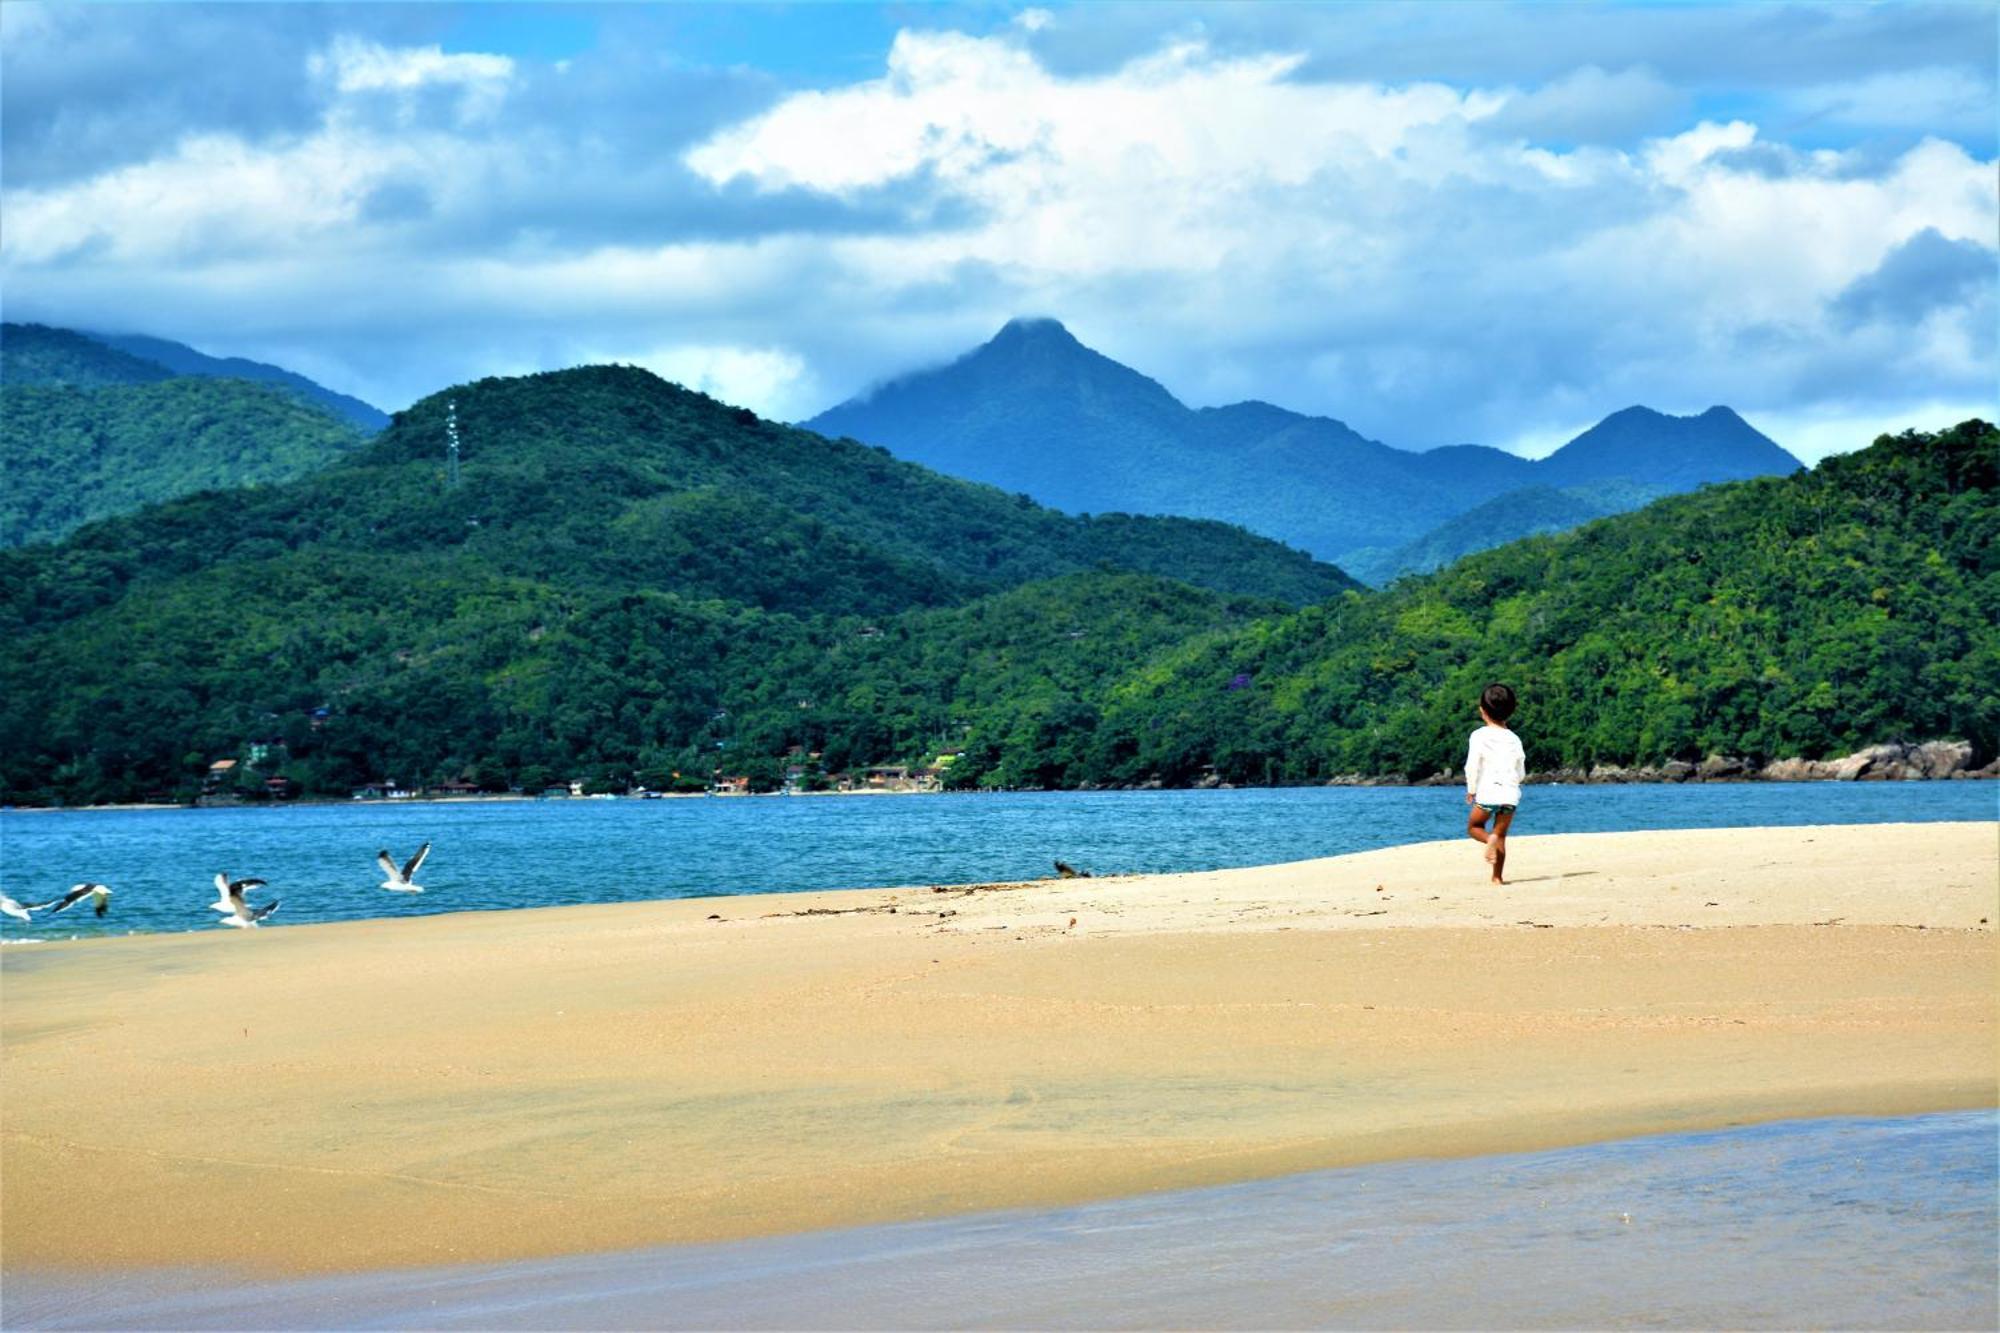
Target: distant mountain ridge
(1035,411)
(44,355)
(184,360)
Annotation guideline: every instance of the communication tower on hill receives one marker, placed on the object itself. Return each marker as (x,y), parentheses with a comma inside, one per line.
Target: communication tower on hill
(451,443)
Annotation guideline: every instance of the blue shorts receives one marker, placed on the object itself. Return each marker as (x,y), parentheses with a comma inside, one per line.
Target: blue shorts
(1495,810)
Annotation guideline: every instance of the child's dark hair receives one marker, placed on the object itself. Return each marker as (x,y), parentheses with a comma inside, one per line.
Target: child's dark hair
(1498,701)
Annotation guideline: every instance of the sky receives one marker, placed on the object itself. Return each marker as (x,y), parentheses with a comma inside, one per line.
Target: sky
(1438,222)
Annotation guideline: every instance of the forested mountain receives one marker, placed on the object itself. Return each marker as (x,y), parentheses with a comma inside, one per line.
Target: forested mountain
(1808,615)
(1036,411)
(88,430)
(629,575)
(39,355)
(72,455)
(181,359)
(372,623)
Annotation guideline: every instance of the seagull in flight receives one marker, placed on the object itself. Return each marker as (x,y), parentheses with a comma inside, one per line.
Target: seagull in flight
(404,880)
(229,901)
(77,893)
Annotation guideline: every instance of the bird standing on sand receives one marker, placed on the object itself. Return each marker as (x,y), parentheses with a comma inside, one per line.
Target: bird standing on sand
(77,893)
(230,902)
(402,881)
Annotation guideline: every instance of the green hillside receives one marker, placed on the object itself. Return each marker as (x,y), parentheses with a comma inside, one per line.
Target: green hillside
(630,577)
(75,454)
(634,581)
(1806,616)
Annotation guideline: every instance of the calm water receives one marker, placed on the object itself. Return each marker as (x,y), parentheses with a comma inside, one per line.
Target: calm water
(1805,1224)
(160,864)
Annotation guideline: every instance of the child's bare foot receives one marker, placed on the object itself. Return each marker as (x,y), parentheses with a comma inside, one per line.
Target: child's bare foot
(1496,880)
(1491,853)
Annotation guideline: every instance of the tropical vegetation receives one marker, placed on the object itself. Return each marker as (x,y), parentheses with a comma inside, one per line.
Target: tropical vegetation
(634,583)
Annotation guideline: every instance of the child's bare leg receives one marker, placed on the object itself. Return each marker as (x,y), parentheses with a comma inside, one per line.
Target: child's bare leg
(1496,845)
(1475,825)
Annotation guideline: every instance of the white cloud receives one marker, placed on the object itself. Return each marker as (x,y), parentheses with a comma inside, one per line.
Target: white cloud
(1823,431)
(1228,213)
(1431,262)
(359,66)
(769,380)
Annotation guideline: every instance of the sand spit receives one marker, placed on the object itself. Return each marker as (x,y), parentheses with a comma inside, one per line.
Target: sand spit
(512,1084)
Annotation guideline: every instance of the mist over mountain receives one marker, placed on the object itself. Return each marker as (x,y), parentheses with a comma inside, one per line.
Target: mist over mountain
(1036,411)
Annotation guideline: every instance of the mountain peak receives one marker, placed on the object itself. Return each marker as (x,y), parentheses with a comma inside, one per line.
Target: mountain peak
(1678,453)
(1034,329)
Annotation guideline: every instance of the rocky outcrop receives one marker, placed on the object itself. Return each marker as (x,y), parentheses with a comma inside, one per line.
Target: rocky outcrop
(1883,763)
(1895,762)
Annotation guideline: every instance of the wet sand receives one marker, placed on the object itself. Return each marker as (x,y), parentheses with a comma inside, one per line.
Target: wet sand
(506,1085)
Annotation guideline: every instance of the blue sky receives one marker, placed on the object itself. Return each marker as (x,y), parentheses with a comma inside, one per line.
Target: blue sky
(1439,222)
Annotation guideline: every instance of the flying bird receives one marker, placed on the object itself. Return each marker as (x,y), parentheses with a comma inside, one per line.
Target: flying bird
(76,895)
(404,880)
(230,902)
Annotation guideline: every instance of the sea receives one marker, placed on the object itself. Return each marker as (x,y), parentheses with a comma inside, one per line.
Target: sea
(1836,1223)
(319,860)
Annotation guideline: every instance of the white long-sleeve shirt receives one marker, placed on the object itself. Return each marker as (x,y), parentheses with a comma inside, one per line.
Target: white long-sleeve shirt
(1495,766)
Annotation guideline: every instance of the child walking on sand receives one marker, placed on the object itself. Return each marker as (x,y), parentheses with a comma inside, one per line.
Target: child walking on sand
(1494,767)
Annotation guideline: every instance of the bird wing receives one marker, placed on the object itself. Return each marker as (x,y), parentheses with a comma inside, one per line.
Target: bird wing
(388,866)
(242,886)
(259,913)
(222,883)
(410,870)
(64,903)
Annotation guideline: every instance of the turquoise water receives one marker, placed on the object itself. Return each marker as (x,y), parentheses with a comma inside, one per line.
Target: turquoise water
(319,859)
(1848,1223)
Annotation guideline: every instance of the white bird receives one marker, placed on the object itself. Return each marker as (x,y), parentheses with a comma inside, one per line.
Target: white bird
(76,895)
(404,880)
(230,902)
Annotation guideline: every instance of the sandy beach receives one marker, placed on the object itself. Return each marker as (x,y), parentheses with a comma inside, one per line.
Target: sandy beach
(513,1084)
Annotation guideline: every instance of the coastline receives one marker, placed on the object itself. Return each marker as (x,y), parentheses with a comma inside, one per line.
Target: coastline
(1727,771)
(567,1080)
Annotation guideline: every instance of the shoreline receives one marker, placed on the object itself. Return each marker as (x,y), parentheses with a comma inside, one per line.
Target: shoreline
(1560,778)
(498,1085)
